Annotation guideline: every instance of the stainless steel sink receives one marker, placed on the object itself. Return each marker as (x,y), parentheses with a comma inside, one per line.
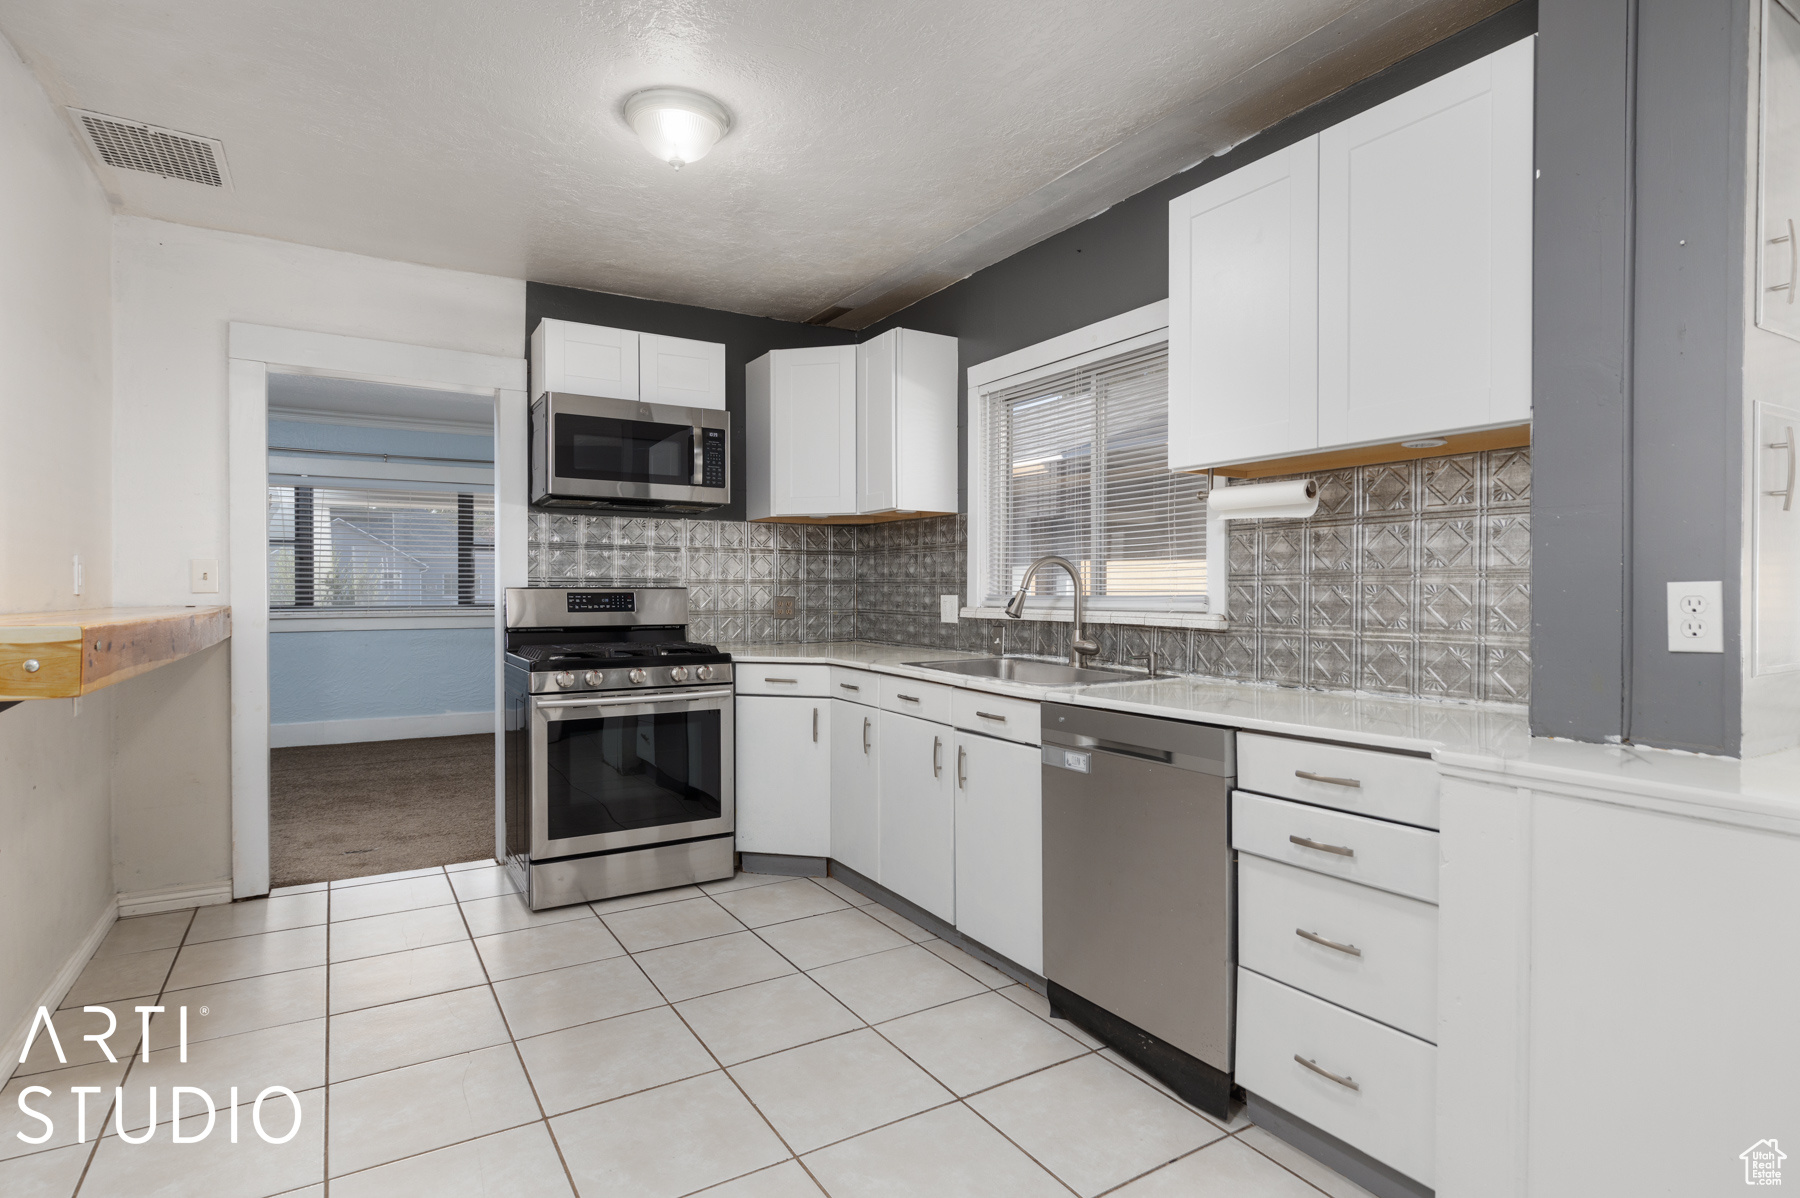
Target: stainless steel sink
(1019,669)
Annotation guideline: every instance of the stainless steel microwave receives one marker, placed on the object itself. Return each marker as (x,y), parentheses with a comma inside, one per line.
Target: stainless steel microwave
(619,453)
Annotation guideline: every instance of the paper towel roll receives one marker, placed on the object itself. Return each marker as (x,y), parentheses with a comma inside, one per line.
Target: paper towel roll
(1291,500)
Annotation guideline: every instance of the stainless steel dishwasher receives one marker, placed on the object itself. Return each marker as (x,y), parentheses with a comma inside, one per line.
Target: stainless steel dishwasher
(1139,891)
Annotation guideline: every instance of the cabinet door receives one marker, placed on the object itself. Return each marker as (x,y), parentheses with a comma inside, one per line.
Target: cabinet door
(1425,258)
(675,370)
(1777,567)
(999,847)
(876,379)
(813,417)
(918,819)
(906,439)
(784,775)
(855,788)
(1778,309)
(584,359)
(1243,313)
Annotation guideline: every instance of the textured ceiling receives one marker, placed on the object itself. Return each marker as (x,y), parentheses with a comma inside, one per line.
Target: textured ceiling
(880,150)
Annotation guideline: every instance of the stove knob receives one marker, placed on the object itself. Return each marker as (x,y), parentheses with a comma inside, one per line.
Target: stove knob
(678,674)
(592,677)
(704,673)
(565,679)
(638,677)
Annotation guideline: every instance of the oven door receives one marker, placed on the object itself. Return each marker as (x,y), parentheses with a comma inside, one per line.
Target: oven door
(618,451)
(617,771)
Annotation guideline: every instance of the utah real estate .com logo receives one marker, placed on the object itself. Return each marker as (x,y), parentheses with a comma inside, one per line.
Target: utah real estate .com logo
(1762,1163)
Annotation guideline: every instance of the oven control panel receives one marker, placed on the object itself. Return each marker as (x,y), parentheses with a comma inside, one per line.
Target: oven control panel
(712,457)
(580,601)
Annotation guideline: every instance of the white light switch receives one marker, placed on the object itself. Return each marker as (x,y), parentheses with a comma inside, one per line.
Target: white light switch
(203,575)
(1696,617)
(949,608)
(78,577)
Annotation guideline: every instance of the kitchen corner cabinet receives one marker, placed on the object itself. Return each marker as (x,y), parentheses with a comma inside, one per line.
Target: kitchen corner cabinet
(999,847)
(1368,285)
(590,359)
(855,787)
(918,815)
(784,775)
(800,413)
(906,423)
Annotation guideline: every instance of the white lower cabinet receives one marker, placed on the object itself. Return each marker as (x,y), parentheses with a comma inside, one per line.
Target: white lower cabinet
(784,790)
(918,819)
(855,787)
(1361,1081)
(999,847)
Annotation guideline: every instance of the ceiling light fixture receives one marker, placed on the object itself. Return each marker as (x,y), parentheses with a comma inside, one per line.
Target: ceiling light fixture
(677,125)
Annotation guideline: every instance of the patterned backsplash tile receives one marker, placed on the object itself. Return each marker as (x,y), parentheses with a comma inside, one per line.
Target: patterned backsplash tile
(1414,578)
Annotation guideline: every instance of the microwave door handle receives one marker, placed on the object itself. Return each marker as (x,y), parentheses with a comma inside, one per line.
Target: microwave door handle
(699,462)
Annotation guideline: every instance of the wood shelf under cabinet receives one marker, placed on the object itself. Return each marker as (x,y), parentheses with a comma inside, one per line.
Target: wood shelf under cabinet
(863,518)
(79,652)
(1511,437)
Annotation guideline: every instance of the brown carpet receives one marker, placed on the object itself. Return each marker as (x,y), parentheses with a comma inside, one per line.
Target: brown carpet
(348,811)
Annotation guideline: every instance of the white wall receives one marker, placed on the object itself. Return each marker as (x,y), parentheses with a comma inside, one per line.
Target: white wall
(176,289)
(56,878)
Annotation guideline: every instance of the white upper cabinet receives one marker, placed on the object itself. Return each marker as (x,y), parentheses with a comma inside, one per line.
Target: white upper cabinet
(1243,313)
(1778,307)
(1371,284)
(584,359)
(906,423)
(801,422)
(676,370)
(1425,258)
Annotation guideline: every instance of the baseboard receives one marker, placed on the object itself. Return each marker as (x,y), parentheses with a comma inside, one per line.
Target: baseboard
(393,727)
(782,863)
(52,996)
(1382,1180)
(174,898)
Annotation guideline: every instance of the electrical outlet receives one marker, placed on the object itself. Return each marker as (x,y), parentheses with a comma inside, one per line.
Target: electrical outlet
(1696,617)
(784,607)
(949,608)
(203,575)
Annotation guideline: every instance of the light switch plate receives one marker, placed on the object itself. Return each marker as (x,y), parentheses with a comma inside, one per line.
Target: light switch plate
(1696,617)
(949,608)
(203,575)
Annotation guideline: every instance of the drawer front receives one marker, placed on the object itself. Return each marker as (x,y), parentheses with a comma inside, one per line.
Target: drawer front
(1374,852)
(780,679)
(927,700)
(1384,964)
(856,686)
(997,715)
(1390,1113)
(1384,785)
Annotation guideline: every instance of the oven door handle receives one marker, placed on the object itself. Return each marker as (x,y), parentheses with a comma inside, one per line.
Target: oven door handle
(636,699)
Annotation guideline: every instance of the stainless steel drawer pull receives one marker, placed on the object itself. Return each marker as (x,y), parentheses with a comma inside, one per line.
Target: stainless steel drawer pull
(962,778)
(1787,496)
(1345,1082)
(865,734)
(815,725)
(1339,849)
(908,698)
(790,680)
(849,686)
(1327,779)
(937,765)
(999,719)
(1318,939)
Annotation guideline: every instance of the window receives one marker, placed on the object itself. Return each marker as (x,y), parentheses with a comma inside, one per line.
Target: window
(375,548)
(1077,465)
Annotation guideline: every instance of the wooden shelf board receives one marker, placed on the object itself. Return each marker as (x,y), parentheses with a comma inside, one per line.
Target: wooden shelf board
(79,652)
(1512,437)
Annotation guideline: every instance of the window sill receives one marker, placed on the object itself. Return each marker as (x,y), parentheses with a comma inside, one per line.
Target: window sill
(325,621)
(1152,619)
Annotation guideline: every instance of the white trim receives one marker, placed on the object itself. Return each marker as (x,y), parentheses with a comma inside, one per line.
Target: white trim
(288,621)
(389,727)
(58,989)
(1060,611)
(174,898)
(454,428)
(325,470)
(1100,335)
(255,351)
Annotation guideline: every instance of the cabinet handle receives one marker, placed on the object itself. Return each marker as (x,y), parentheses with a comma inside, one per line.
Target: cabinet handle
(1323,1072)
(1304,843)
(908,698)
(789,680)
(1787,496)
(815,725)
(1793,245)
(1328,780)
(847,686)
(699,459)
(865,734)
(936,765)
(962,779)
(1349,949)
(989,716)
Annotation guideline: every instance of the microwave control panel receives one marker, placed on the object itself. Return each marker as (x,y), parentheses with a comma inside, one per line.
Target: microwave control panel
(712,457)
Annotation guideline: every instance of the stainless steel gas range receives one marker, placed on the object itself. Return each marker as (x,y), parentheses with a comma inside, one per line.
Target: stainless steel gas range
(619,748)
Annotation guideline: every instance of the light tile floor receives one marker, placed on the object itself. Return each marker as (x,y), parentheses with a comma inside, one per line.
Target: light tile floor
(759,1037)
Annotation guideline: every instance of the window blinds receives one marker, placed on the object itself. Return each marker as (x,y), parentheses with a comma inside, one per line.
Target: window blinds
(345,548)
(1078,466)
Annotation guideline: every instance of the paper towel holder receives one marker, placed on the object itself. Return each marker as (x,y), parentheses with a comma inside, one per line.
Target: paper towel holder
(1290,499)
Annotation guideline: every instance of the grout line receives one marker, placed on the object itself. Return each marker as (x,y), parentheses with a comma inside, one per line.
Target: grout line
(1279,1165)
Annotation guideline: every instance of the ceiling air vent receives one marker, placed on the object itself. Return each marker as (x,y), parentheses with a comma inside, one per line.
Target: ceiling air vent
(134,146)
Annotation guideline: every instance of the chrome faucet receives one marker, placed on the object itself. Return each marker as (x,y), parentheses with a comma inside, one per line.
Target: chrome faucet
(1079,646)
